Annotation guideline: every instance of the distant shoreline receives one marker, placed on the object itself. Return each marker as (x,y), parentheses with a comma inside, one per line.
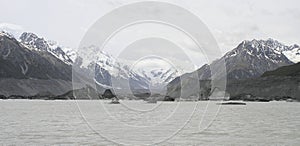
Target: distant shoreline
(18,99)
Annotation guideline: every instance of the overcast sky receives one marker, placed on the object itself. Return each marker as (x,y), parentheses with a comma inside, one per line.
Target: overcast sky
(66,21)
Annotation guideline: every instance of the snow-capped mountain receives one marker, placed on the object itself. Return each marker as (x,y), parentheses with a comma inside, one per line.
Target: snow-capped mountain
(31,40)
(108,71)
(92,55)
(34,42)
(266,47)
(250,59)
(253,58)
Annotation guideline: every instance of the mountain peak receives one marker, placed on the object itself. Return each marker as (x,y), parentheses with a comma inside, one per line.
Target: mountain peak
(28,35)
(268,49)
(33,41)
(268,42)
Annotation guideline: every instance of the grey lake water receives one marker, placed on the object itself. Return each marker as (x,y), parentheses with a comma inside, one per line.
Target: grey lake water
(41,122)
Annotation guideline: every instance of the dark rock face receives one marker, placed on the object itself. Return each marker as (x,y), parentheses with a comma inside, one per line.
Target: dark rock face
(30,87)
(271,88)
(168,98)
(108,94)
(280,84)
(3,97)
(233,103)
(291,70)
(250,97)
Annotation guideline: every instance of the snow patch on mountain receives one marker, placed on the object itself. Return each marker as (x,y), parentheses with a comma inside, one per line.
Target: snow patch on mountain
(293,53)
(269,49)
(64,53)
(36,43)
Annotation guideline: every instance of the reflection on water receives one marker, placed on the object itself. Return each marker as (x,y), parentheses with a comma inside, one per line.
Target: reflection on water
(60,122)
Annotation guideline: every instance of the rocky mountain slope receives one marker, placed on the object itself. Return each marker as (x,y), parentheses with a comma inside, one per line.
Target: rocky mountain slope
(19,61)
(282,83)
(292,70)
(29,71)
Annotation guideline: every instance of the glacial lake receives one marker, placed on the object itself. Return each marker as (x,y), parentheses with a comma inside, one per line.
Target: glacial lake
(58,122)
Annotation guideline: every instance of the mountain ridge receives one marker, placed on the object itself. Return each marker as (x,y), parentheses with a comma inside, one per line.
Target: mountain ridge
(33,58)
